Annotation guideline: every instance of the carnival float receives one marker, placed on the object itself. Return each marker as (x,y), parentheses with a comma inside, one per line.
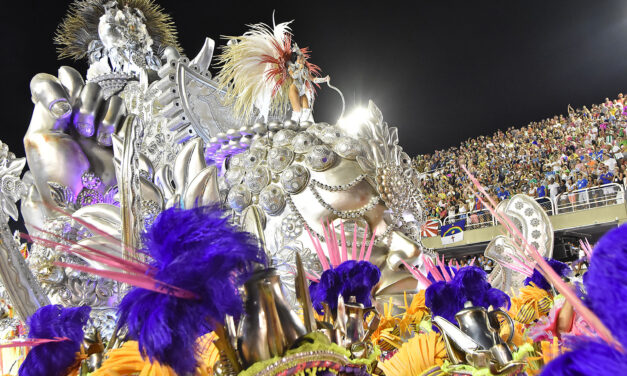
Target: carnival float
(181,222)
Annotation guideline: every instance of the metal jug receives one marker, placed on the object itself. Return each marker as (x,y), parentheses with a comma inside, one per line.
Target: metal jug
(477,341)
(269,326)
(483,326)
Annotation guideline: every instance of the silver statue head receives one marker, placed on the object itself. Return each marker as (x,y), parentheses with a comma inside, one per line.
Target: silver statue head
(124,45)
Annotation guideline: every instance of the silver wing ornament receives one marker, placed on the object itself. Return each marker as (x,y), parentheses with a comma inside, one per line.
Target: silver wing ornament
(191,100)
(535,226)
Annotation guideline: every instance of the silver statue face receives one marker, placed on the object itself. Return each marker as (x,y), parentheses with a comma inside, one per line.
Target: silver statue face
(391,246)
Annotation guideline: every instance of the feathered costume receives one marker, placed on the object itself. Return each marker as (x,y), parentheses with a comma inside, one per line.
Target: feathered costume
(255,70)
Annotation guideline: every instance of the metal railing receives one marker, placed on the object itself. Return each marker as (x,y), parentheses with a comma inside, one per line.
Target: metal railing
(582,199)
(474,219)
(547,204)
(588,198)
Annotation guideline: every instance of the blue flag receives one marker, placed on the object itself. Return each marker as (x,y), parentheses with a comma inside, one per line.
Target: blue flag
(453,233)
(453,228)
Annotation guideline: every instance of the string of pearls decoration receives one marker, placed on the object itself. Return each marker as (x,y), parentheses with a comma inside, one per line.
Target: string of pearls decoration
(345,214)
(303,223)
(338,188)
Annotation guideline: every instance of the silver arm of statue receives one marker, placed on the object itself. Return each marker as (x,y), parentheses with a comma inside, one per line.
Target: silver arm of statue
(327,79)
(24,290)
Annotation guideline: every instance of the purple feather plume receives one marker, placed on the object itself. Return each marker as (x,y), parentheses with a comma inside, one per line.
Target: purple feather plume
(538,279)
(350,278)
(444,299)
(469,284)
(199,251)
(54,358)
(605,282)
(588,358)
(606,291)
(472,283)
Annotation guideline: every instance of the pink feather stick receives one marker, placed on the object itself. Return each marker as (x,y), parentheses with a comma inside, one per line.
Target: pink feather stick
(549,273)
(587,249)
(450,263)
(334,242)
(319,251)
(457,264)
(445,274)
(312,278)
(92,228)
(138,280)
(583,247)
(516,268)
(417,274)
(432,269)
(111,262)
(354,250)
(363,244)
(93,254)
(32,342)
(343,239)
(374,233)
(472,261)
(329,246)
(524,262)
(307,275)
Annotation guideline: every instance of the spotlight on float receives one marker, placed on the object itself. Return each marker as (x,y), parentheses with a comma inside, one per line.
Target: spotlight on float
(356,117)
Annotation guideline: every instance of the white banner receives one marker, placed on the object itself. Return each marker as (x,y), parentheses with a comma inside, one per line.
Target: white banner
(450,239)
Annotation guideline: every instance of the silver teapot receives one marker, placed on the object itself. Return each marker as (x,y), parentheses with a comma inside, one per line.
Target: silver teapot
(477,341)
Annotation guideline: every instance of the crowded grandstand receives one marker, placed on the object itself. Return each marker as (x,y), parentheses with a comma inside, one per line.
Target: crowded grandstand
(552,158)
(567,163)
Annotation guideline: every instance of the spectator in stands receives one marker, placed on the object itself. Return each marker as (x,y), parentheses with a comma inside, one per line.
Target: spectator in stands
(570,188)
(595,193)
(606,176)
(554,188)
(541,191)
(502,193)
(582,183)
(532,188)
(462,210)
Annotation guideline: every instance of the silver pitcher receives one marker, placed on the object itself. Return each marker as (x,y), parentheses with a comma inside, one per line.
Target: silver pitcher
(483,326)
(477,341)
(269,326)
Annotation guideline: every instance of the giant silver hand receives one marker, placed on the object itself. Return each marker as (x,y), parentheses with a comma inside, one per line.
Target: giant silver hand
(71,160)
(69,135)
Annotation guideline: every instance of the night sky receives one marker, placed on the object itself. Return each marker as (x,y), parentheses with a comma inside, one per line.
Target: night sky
(441,71)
